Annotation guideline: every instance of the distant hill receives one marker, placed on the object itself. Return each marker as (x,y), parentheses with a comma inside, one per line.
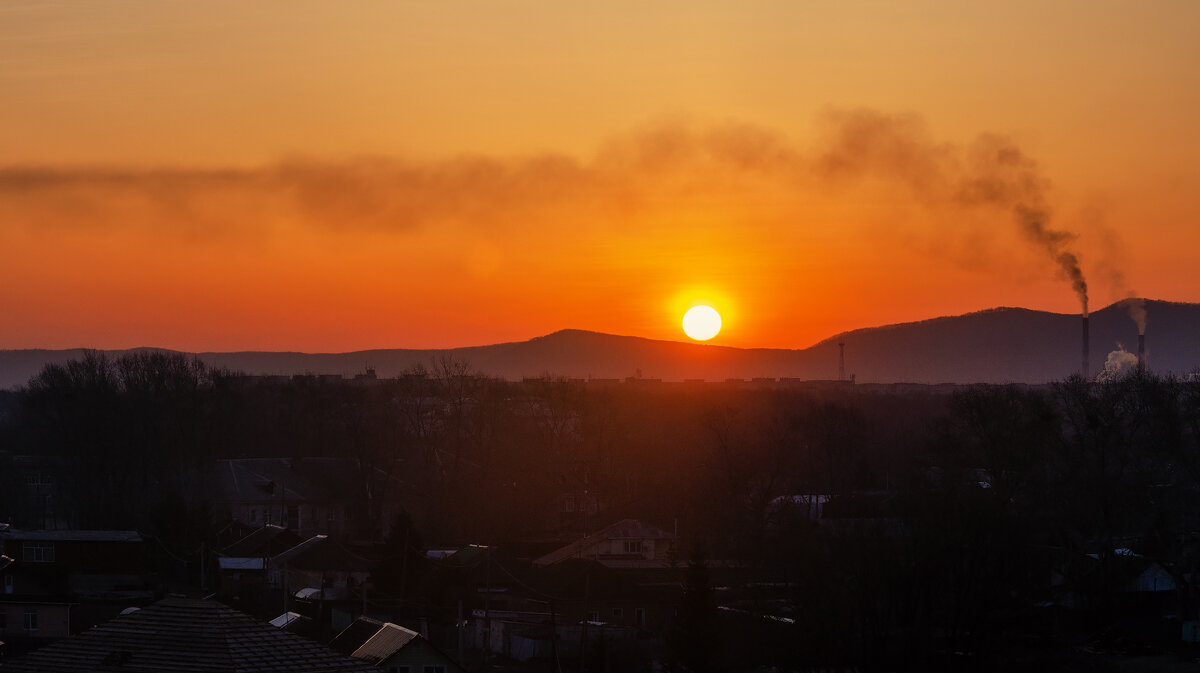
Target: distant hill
(995,346)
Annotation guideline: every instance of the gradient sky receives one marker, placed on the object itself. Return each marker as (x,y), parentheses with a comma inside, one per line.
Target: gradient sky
(322,176)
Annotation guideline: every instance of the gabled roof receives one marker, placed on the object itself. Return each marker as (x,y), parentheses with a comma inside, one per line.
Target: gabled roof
(387,641)
(468,556)
(264,542)
(284,556)
(289,480)
(326,554)
(352,637)
(187,636)
(625,529)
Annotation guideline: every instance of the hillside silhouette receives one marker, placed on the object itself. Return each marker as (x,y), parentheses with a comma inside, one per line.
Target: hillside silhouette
(992,346)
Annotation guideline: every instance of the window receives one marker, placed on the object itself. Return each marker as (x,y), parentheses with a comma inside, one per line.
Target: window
(569,503)
(31,619)
(267,516)
(8,584)
(253,515)
(618,613)
(593,616)
(333,512)
(37,552)
(3,619)
(399,669)
(639,616)
(633,546)
(434,669)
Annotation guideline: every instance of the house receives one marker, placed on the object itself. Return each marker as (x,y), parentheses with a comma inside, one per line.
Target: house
(882,513)
(325,567)
(393,648)
(56,582)
(1140,584)
(180,634)
(30,491)
(273,569)
(628,543)
(309,496)
(242,566)
(518,609)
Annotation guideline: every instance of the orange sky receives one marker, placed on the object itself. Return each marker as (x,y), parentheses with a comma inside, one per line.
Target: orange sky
(223,175)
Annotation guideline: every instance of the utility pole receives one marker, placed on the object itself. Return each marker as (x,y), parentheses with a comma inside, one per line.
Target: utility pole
(554,639)
(587,588)
(487,608)
(458,632)
(404,563)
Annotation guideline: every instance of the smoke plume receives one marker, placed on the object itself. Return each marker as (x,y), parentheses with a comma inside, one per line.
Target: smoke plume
(651,172)
(1119,363)
(1136,306)
(992,171)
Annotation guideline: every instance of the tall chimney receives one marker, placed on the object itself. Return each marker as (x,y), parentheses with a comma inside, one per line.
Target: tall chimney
(1086,368)
(841,361)
(1141,352)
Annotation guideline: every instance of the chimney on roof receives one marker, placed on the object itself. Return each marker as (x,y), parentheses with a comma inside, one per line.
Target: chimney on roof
(1141,354)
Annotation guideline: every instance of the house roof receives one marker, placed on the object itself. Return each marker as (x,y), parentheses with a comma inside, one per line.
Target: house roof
(288,555)
(352,637)
(625,529)
(325,554)
(240,563)
(468,556)
(71,535)
(285,619)
(189,636)
(387,641)
(109,587)
(264,542)
(294,622)
(294,480)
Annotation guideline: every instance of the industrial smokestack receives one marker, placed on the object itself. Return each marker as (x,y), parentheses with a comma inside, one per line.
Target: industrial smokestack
(841,361)
(1141,352)
(1086,368)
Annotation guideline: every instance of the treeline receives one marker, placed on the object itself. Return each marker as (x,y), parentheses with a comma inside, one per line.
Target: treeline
(489,455)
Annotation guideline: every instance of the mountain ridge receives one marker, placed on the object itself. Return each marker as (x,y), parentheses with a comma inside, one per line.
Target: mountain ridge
(994,345)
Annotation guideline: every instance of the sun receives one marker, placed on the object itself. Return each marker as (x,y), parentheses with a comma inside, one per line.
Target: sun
(701,322)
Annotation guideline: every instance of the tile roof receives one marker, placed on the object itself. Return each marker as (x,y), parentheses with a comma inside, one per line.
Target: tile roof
(187,636)
(387,641)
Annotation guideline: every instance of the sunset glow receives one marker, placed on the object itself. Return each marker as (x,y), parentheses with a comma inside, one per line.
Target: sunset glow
(220,176)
